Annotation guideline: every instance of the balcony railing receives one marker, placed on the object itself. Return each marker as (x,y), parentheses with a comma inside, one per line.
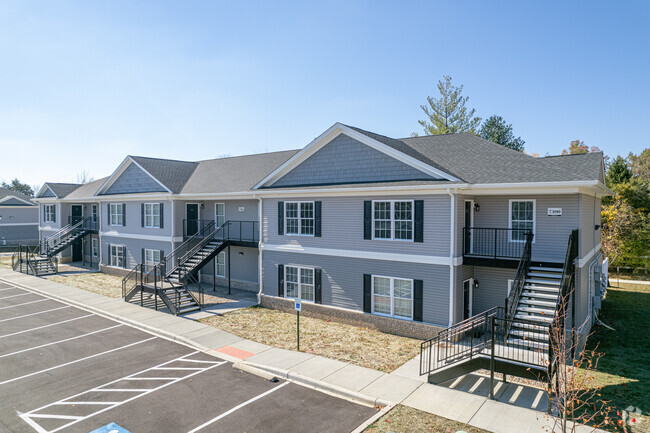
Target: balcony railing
(494,243)
(242,231)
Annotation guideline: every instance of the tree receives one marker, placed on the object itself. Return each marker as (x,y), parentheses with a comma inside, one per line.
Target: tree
(20,187)
(448,114)
(84,177)
(576,147)
(640,165)
(498,131)
(618,172)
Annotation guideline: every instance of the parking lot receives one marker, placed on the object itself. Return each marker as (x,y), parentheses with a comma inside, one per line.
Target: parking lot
(65,369)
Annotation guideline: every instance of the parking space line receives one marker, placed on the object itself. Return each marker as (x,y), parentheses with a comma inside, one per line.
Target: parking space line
(60,341)
(35,314)
(77,399)
(150,378)
(98,403)
(38,415)
(177,368)
(44,326)
(246,403)
(15,296)
(25,303)
(10,288)
(77,360)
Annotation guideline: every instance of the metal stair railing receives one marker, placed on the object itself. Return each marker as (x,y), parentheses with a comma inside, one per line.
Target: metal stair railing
(52,243)
(132,280)
(512,301)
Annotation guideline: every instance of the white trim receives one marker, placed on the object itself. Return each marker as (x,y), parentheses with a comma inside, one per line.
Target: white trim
(110,214)
(392,296)
(452,252)
(94,242)
(117,256)
(45,185)
(510,217)
(392,220)
(215,213)
(472,218)
(50,214)
(115,234)
(216,264)
(9,197)
(118,172)
(585,259)
(260,258)
(17,224)
(153,215)
(509,288)
(333,132)
(471,296)
(299,282)
(356,254)
(299,204)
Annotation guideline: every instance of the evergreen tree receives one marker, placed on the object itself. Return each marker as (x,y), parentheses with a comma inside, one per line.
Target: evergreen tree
(498,131)
(618,172)
(20,187)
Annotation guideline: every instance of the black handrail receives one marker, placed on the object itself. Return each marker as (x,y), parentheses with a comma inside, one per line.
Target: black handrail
(520,278)
(51,243)
(495,243)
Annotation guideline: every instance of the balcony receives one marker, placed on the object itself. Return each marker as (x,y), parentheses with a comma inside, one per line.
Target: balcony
(239,233)
(493,246)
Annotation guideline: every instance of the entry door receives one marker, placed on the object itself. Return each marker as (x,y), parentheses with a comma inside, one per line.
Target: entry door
(192,216)
(467,299)
(76,212)
(469,222)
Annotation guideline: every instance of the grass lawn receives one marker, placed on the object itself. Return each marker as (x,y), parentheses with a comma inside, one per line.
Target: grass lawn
(356,345)
(624,369)
(404,419)
(96,282)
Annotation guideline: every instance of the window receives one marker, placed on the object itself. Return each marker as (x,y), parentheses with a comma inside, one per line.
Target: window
(117,256)
(522,217)
(299,218)
(94,212)
(94,246)
(299,283)
(152,215)
(116,214)
(50,213)
(392,297)
(393,220)
(221,264)
(151,259)
(219,214)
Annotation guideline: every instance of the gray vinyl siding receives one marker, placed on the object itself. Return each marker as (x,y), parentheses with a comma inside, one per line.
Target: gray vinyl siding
(583,293)
(47,193)
(13,202)
(134,219)
(14,234)
(590,217)
(551,232)
(250,212)
(244,266)
(493,287)
(346,160)
(133,248)
(14,215)
(460,222)
(342,280)
(342,226)
(50,226)
(134,180)
(463,272)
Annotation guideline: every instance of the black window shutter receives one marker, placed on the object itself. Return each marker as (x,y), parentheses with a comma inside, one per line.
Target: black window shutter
(44,213)
(162,220)
(162,254)
(417,300)
(367,219)
(143,256)
(418,234)
(281,281)
(108,256)
(125,263)
(123,214)
(318,287)
(141,214)
(54,214)
(317,218)
(108,214)
(280,218)
(367,293)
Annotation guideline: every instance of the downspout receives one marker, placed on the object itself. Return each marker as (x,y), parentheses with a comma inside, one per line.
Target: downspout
(173,227)
(452,251)
(100,218)
(260,260)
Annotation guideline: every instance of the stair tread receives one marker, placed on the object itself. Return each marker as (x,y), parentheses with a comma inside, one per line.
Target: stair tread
(533,318)
(537,302)
(530,334)
(548,275)
(546,282)
(540,310)
(542,288)
(534,344)
(529,294)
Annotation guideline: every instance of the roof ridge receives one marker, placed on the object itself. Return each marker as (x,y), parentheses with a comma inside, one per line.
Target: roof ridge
(574,154)
(162,159)
(248,154)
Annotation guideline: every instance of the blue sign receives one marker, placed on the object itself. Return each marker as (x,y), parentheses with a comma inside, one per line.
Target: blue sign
(111,428)
(298,305)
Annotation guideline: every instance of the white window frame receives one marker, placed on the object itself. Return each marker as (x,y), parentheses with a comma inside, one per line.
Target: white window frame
(116,214)
(116,255)
(94,247)
(392,220)
(150,259)
(392,295)
(510,239)
(300,283)
(509,287)
(218,223)
(313,218)
(50,213)
(149,213)
(94,213)
(471,296)
(221,264)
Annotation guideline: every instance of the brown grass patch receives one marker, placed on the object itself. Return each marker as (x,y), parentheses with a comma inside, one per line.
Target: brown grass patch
(360,346)
(5,262)
(404,419)
(96,282)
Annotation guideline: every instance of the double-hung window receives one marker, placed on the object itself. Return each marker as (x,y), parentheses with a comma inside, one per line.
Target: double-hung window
(219,214)
(522,218)
(152,215)
(221,264)
(117,256)
(392,220)
(299,218)
(392,296)
(94,212)
(151,259)
(116,214)
(50,213)
(94,245)
(299,283)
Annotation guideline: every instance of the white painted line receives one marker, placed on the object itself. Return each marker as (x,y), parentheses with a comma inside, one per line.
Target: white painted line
(476,385)
(15,296)
(247,402)
(34,425)
(202,362)
(540,394)
(118,390)
(45,326)
(35,314)
(10,288)
(44,415)
(77,360)
(456,382)
(25,303)
(60,341)
(74,403)
(177,368)
(515,395)
(150,378)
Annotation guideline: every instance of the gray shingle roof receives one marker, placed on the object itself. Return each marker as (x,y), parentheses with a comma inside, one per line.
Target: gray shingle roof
(87,190)
(62,189)
(4,192)
(171,173)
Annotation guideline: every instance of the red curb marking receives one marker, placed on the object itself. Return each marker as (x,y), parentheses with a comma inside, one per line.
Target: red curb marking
(233,351)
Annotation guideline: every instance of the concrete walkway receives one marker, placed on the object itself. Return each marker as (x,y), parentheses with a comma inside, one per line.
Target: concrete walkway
(364,385)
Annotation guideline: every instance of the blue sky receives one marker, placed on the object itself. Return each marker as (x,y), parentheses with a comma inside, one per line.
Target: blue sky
(85,83)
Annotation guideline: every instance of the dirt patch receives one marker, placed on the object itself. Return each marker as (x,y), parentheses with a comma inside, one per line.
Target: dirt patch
(355,345)
(96,282)
(5,262)
(404,419)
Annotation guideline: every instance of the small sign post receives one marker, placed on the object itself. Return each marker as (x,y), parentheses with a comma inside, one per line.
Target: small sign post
(298,306)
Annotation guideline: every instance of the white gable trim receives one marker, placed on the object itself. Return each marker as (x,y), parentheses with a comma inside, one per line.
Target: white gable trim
(43,189)
(333,132)
(118,172)
(9,197)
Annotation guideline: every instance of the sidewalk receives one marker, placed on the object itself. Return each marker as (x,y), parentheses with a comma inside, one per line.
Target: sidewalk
(372,387)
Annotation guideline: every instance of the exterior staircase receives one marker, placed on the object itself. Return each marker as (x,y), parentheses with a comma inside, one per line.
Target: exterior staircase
(64,237)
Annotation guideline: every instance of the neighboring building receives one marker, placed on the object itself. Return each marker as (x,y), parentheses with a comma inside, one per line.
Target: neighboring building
(425,229)
(18,219)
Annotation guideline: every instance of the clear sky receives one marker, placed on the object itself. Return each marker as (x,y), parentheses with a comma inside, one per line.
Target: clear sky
(85,83)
